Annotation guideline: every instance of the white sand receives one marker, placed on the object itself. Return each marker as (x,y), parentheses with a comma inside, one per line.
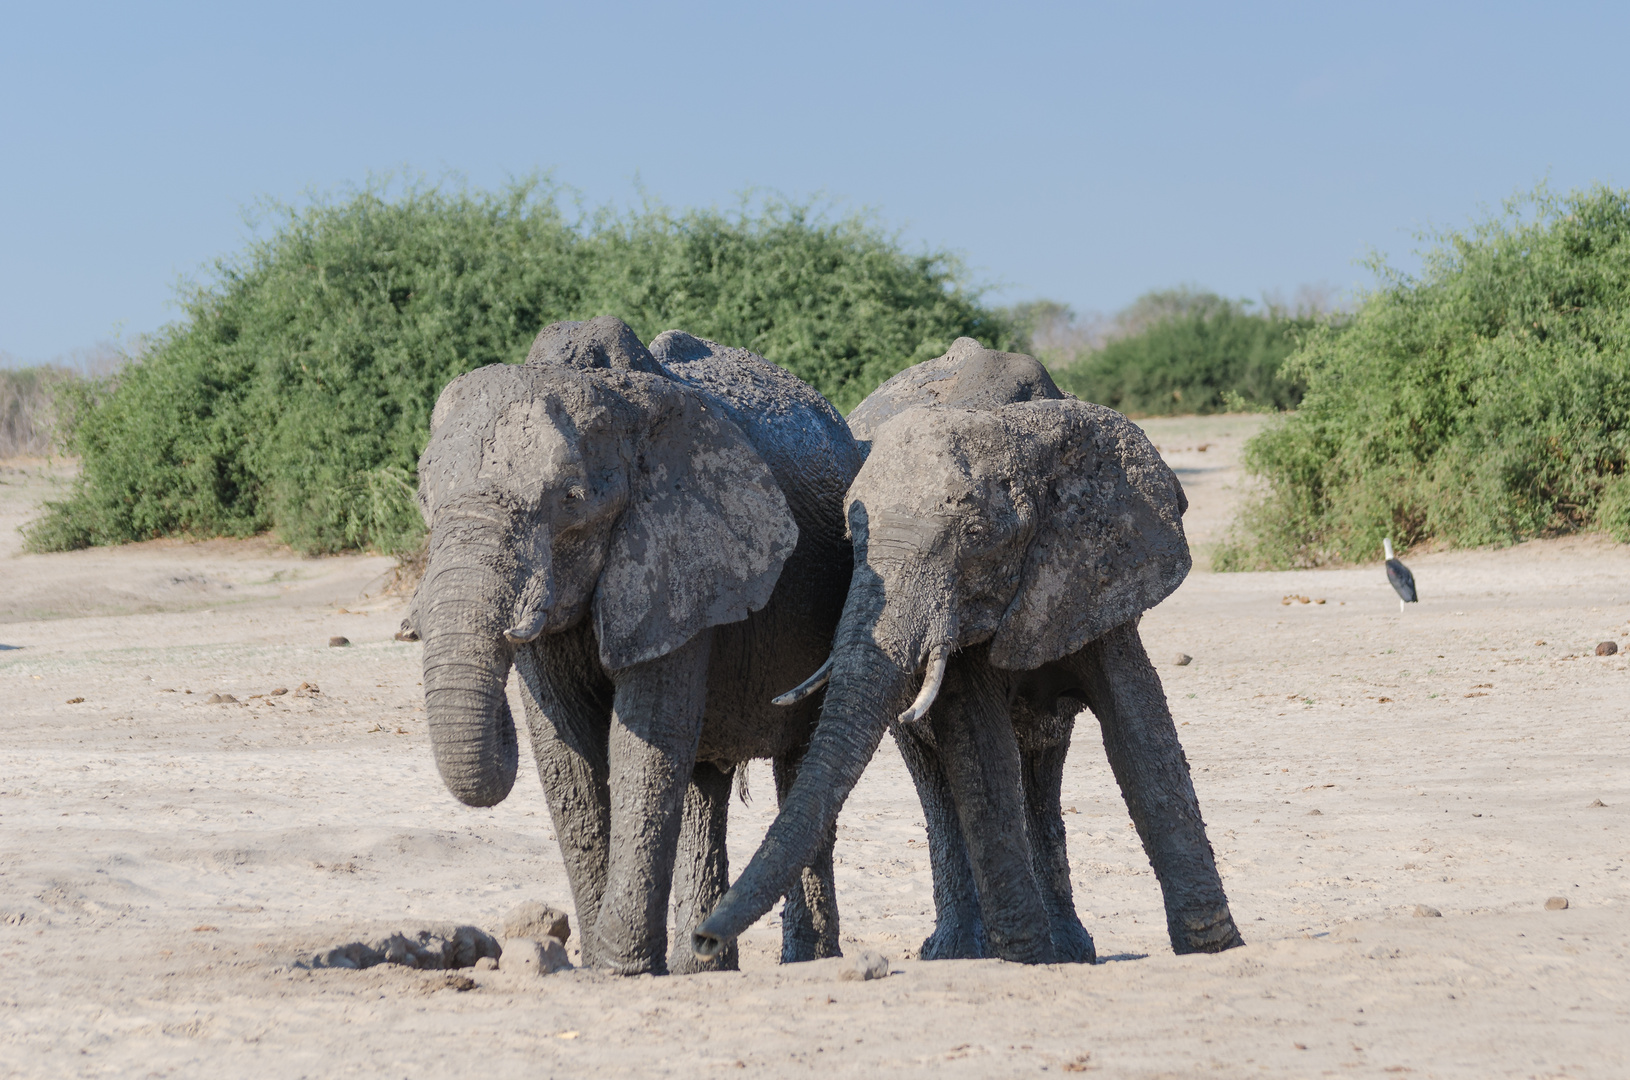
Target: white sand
(163,860)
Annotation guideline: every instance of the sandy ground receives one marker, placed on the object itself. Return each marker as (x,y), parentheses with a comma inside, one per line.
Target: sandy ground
(164,862)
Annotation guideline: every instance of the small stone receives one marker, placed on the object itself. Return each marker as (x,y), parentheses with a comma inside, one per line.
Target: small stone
(75,701)
(1607,648)
(486,963)
(1422,911)
(461,983)
(1319,601)
(524,956)
(1303,600)
(336,641)
(1315,813)
(868,965)
(537,920)
(1183,659)
(279,692)
(1557,903)
(1383,700)
(219,699)
(1595,803)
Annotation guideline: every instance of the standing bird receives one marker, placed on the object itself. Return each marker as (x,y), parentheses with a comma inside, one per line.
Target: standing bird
(1399,577)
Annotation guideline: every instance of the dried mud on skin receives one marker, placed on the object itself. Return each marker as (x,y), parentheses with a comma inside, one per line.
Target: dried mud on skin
(164,863)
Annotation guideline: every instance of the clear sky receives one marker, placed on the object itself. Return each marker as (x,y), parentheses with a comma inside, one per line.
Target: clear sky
(1080,152)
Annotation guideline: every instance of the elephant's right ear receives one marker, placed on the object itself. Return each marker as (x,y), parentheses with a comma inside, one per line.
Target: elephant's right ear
(1109,544)
(704,536)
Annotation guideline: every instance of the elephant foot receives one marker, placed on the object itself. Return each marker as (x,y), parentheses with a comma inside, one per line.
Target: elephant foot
(954,940)
(1029,949)
(1072,944)
(629,963)
(684,961)
(1208,931)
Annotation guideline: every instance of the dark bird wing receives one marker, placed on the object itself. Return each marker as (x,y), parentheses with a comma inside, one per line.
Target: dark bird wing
(1401,580)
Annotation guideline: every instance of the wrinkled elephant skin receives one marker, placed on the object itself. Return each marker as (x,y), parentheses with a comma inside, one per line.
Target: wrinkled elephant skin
(653,539)
(1006,539)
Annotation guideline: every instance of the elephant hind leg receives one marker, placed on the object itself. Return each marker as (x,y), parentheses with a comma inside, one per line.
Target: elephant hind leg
(1124,692)
(701,868)
(809,920)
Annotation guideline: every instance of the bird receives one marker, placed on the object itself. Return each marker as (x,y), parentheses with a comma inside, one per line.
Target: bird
(1399,577)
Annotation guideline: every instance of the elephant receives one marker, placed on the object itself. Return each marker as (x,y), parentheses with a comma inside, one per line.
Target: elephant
(653,538)
(1007,539)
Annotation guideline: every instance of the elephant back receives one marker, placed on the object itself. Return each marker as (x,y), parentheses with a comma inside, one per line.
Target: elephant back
(796,431)
(968,376)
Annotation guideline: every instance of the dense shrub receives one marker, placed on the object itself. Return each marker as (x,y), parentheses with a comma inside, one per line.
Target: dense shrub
(1184,351)
(296,392)
(1481,403)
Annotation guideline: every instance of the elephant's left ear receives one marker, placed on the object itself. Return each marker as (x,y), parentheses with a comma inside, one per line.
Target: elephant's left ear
(1109,543)
(704,536)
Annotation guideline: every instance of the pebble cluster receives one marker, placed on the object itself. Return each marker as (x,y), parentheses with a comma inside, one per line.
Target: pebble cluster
(533,942)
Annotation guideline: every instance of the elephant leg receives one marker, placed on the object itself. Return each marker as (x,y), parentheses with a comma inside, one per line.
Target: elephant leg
(1043,764)
(977,748)
(1124,691)
(655,727)
(568,711)
(809,919)
(702,868)
(959,932)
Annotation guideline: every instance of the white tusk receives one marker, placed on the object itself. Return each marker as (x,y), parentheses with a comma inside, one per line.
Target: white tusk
(529,629)
(938,657)
(808,686)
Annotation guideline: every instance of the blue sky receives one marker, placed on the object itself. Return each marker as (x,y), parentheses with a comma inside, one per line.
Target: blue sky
(1085,152)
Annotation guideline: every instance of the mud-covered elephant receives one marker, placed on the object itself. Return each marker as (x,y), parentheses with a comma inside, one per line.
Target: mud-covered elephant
(1007,537)
(654,539)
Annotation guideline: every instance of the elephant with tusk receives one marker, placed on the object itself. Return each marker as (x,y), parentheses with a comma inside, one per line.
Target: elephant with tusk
(1007,539)
(653,539)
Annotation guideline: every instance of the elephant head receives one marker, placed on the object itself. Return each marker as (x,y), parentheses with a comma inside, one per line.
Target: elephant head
(1035,527)
(583,484)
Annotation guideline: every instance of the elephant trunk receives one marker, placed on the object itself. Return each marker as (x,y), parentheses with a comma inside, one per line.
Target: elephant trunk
(463,608)
(869,684)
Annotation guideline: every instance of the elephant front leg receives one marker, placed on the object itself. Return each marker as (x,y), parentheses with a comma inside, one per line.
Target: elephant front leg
(974,733)
(959,932)
(1124,692)
(656,725)
(809,919)
(702,868)
(1043,762)
(568,713)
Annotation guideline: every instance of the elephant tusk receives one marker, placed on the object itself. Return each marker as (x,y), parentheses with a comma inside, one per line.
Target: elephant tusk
(529,630)
(808,686)
(938,657)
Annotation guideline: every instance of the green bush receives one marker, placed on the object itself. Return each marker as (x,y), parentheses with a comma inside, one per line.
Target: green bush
(1484,402)
(296,392)
(1182,351)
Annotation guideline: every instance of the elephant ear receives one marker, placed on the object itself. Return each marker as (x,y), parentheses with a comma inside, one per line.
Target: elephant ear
(1109,544)
(704,536)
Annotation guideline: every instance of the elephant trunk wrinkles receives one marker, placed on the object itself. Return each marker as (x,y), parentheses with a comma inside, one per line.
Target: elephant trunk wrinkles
(466,667)
(866,690)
